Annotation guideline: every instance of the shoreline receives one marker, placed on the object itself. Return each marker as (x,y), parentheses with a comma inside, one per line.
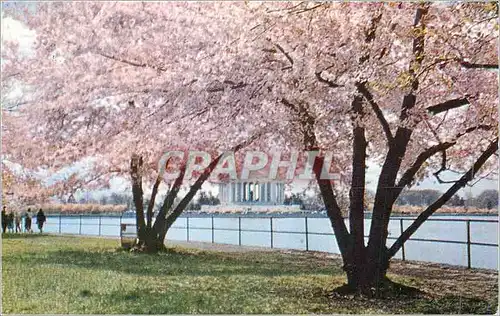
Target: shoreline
(312,214)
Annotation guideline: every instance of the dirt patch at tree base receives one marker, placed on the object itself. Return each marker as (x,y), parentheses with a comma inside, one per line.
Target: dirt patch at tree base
(428,288)
(439,288)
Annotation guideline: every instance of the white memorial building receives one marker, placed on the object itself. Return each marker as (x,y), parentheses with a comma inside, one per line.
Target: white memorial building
(251,196)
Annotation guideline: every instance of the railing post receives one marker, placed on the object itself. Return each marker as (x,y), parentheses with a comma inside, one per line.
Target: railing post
(80,226)
(468,245)
(213,230)
(59,223)
(403,246)
(271,222)
(99,225)
(187,228)
(121,220)
(239,230)
(307,234)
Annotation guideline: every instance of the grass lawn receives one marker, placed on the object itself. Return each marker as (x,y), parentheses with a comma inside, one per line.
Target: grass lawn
(71,275)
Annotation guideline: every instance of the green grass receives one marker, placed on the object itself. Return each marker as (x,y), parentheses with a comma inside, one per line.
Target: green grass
(70,275)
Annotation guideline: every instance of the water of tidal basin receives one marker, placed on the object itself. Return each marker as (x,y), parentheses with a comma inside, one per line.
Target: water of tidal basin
(289,233)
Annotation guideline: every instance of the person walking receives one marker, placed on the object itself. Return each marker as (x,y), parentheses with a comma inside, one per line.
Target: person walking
(27,222)
(18,222)
(10,222)
(5,220)
(40,220)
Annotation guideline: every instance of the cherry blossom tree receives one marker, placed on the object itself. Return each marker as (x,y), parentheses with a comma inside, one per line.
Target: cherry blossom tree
(21,189)
(124,82)
(412,87)
(409,85)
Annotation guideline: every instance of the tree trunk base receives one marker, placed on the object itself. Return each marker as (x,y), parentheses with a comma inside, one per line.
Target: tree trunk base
(381,289)
(150,245)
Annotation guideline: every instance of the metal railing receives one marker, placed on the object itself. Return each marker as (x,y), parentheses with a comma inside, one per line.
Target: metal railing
(306,232)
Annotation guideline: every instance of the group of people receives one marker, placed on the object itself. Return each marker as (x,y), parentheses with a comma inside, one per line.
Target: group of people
(11,221)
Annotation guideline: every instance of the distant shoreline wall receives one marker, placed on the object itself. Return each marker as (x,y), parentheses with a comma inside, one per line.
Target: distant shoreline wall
(251,208)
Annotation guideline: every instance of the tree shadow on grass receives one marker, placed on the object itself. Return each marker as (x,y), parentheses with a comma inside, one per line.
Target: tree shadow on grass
(186,301)
(179,262)
(146,301)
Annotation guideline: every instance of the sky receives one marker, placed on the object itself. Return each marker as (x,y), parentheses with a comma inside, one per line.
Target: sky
(12,29)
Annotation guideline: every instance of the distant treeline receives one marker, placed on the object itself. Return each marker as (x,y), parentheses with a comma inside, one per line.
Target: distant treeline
(203,198)
(488,199)
(49,208)
(116,202)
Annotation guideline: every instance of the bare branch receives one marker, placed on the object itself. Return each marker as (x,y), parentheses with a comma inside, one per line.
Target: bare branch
(232,85)
(309,9)
(306,120)
(468,65)
(483,127)
(443,168)
(488,176)
(492,148)
(286,9)
(285,53)
(131,63)
(448,105)
(149,212)
(199,182)
(441,181)
(361,86)
(407,177)
(168,202)
(332,208)
(310,143)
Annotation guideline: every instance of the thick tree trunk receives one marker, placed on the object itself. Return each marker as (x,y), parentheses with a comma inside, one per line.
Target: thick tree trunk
(368,276)
(365,272)
(151,237)
(386,193)
(147,239)
(160,223)
(138,194)
(356,267)
(149,242)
